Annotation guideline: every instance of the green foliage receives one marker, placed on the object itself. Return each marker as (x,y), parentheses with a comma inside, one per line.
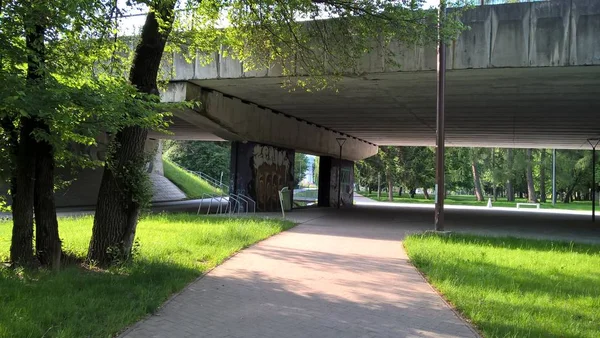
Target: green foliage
(414,167)
(192,185)
(82,301)
(300,167)
(512,287)
(293,34)
(210,158)
(81,91)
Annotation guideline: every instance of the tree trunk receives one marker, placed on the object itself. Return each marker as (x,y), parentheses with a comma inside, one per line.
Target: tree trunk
(390,187)
(510,192)
(529,173)
(543,176)
(400,191)
(21,247)
(426,193)
(476,181)
(412,192)
(118,207)
(47,241)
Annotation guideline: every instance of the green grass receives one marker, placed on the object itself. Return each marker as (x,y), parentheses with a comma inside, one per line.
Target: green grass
(192,185)
(313,193)
(77,302)
(470,200)
(512,287)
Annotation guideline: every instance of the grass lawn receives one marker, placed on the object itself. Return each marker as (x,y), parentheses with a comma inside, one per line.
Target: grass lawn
(512,287)
(192,185)
(77,302)
(470,200)
(308,193)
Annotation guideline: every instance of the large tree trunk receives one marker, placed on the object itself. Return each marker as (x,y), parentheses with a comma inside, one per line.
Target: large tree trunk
(529,173)
(47,241)
(543,176)
(476,181)
(426,193)
(510,192)
(118,208)
(21,247)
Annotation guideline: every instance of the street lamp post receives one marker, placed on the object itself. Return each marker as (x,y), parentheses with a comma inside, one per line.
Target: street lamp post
(594,143)
(440,137)
(340,141)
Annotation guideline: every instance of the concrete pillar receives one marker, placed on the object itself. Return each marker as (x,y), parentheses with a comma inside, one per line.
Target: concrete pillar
(328,182)
(260,172)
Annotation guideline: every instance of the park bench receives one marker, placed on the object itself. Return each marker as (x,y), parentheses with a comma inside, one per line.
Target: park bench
(532,204)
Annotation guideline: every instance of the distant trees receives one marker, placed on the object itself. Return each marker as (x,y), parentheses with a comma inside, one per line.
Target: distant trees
(210,158)
(300,167)
(482,172)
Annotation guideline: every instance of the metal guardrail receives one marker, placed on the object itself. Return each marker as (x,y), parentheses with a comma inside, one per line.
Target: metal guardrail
(216,184)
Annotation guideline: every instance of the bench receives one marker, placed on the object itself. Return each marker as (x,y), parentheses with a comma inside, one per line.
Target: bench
(533,204)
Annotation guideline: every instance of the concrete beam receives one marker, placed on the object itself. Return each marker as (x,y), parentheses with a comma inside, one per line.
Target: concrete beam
(236,120)
(531,34)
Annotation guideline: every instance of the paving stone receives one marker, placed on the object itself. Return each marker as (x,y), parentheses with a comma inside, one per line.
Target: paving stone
(328,277)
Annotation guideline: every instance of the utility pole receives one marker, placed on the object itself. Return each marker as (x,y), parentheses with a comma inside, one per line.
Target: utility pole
(440,139)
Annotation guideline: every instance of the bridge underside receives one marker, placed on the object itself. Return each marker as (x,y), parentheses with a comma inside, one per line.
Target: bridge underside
(549,107)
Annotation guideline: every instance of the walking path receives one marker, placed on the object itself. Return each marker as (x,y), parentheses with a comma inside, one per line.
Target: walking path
(334,275)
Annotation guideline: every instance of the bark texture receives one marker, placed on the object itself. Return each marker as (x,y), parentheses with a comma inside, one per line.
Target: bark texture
(390,187)
(529,173)
(510,192)
(543,176)
(118,208)
(21,247)
(476,181)
(47,241)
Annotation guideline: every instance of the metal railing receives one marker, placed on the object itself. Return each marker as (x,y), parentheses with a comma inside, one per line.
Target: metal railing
(235,203)
(216,184)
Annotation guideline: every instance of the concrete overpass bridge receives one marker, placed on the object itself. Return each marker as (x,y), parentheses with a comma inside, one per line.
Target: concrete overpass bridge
(523,75)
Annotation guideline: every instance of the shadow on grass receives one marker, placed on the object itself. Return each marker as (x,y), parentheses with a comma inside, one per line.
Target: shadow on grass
(78,302)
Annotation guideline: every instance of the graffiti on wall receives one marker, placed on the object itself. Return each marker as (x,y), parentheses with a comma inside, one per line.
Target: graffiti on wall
(272,171)
(347,174)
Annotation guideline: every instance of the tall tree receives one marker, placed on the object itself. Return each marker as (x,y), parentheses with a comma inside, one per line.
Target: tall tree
(510,192)
(543,175)
(124,185)
(475,169)
(531,196)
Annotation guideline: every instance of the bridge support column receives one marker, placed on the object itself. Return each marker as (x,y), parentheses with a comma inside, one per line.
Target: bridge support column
(328,182)
(260,171)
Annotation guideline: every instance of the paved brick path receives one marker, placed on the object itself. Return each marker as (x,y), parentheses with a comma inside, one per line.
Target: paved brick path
(332,276)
